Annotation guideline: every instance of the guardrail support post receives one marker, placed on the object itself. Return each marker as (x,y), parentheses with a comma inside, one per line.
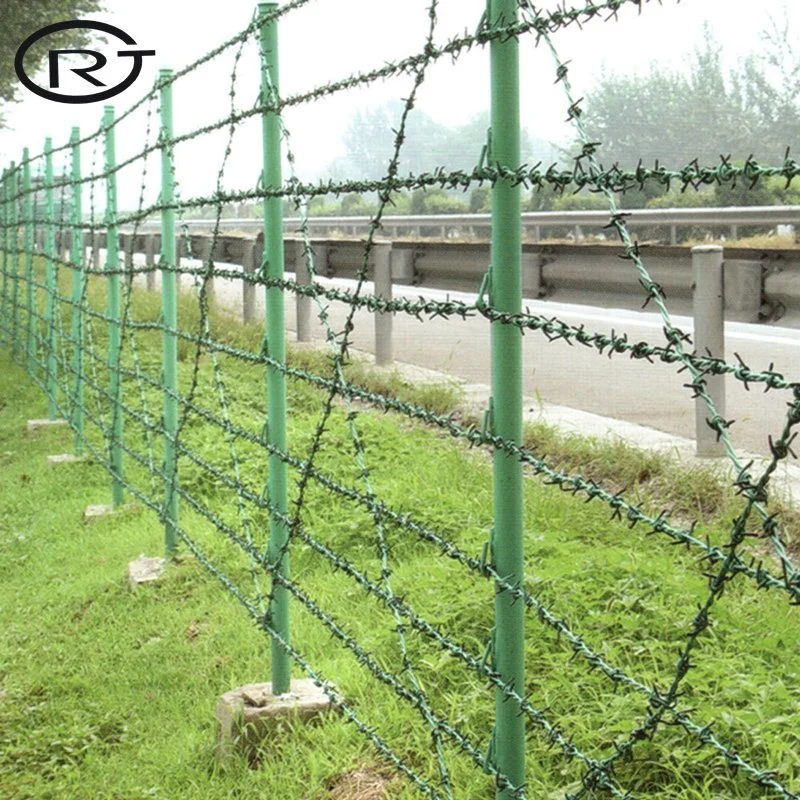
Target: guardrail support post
(114,326)
(709,335)
(78,293)
(276,349)
(205,250)
(169,313)
(303,302)
(383,288)
(96,250)
(248,289)
(127,243)
(150,261)
(505,296)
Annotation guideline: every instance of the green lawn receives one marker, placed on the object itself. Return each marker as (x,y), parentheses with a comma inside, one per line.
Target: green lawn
(107,693)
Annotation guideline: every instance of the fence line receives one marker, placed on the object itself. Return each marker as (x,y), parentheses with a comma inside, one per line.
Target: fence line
(534,223)
(108,397)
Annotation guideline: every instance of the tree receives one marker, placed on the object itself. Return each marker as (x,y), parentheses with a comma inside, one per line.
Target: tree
(370,135)
(20,18)
(770,83)
(673,116)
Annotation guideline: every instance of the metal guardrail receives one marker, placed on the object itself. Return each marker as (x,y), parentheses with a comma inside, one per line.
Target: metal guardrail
(720,285)
(762,284)
(534,223)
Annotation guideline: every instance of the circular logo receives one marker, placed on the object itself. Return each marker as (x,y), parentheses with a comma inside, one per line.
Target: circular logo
(100,61)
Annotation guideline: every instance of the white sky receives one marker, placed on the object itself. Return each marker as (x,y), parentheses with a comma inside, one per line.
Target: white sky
(327,40)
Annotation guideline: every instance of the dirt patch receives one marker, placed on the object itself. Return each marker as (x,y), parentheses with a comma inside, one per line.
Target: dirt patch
(361,784)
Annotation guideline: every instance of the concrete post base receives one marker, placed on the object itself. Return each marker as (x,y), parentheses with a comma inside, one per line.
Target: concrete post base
(145,570)
(38,424)
(65,458)
(248,714)
(93,513)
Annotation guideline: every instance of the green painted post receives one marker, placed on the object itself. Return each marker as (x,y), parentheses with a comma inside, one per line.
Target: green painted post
(14,230)
(114,326)
(78,293)
(50,278)
(4,293)
(169,314)
(276,347)
(31,311)
(506,297)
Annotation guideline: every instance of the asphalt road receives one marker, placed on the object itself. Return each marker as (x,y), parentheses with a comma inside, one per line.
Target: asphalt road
(652,395)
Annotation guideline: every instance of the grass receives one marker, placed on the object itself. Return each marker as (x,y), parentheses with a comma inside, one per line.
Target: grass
(109,693)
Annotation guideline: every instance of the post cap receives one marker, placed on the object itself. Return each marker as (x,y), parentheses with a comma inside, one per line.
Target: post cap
(707,248)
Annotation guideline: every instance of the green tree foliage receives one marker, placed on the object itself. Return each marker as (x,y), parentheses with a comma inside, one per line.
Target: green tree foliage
(480,200)
(20,18)
(370,135)
(437,201)
(706,111)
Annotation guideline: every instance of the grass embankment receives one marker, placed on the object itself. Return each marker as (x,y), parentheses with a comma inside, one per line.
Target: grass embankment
(108,693)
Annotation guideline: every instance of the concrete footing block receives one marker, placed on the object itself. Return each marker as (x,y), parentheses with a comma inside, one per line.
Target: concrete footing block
(93,513)
(249,714)
(39,424)
(145,570)
(65,458)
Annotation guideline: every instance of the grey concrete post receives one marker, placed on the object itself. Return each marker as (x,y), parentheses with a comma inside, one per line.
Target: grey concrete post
(150,261)
(205,255)
(96,251)
(383,288)
(302,302)
(127,242)
(734,232)
(537,233)
(709,334)
(248,289)
(673,234)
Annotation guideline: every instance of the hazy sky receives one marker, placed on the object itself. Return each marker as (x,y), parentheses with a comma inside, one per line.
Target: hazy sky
(328,40)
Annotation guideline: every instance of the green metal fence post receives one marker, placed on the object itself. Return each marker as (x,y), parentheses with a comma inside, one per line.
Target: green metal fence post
(276,348)
(506,297)
(78,293)
(14,229)
(50,278)
(4,290)
(31,311)
(114,326)
(169,314)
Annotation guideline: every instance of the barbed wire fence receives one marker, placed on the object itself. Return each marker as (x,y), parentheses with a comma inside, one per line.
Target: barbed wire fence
(85,333)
